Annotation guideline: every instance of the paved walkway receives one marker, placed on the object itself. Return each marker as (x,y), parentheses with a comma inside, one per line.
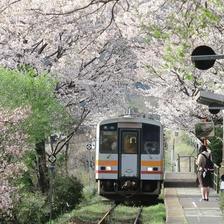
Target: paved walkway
(183,206)
(180,179)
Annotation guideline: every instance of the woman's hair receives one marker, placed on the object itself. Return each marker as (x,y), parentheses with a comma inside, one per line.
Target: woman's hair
(222,177)
(202,148)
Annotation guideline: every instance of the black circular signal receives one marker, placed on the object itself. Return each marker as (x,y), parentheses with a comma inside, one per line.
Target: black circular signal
(203,50)
(213,109)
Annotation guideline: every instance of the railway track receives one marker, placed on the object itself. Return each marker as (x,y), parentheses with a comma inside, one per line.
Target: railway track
(137,219)
(104,219)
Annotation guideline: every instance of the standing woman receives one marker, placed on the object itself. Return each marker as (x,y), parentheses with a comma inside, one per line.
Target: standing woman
(204,178)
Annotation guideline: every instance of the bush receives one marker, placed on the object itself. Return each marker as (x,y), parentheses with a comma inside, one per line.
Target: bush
(89,192)
(67,193)
(216,146)
(32,209)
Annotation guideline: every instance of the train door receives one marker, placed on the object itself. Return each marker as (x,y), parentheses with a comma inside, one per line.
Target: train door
(129,152)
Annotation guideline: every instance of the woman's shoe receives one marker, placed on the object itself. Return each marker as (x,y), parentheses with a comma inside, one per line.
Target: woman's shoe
(206,199)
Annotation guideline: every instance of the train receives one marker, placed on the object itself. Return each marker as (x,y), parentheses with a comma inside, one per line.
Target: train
(129,158)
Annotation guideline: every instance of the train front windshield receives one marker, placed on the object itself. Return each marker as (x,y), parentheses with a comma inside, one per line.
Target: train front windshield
(129,142)
(150,139)
(108,138)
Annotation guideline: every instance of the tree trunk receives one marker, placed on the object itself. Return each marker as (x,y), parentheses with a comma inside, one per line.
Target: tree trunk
(42,173)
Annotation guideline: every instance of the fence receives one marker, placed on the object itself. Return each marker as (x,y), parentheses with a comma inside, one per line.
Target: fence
(216,178)
(188,161)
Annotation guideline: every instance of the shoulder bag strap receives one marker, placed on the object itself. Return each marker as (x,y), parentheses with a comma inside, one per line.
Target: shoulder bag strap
(204,155)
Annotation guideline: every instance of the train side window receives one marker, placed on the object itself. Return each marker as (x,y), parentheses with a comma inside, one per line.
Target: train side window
(151,139)
(108,142)
(129,142)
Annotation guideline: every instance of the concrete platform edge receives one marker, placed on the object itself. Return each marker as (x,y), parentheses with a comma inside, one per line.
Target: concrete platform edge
(174,210)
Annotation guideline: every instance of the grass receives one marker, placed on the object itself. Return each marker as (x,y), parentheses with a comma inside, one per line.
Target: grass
(154,214)
(184,149)
(88,213)
(92,212)
(124,214)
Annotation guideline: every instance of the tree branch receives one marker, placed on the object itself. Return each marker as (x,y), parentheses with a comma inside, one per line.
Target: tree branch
(12,3)
(183,89)
(104,29)
(58,149)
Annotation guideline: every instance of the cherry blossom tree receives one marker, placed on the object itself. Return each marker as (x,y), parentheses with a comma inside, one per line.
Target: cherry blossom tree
(47,114)
(172,31)
(99,50)
(13,145)
(82,43)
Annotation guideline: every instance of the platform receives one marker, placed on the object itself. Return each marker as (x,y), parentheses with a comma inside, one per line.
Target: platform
(180,180)
(183,206)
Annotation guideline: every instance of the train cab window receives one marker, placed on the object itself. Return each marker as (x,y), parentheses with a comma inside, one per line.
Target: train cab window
(151,139)
(108,139)
(129,142)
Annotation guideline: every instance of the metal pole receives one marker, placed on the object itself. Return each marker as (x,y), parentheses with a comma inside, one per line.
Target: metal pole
(207,57)
(171,157)
(89,167)
(51,168)
(189,163)
(173,154)
(223,138)
(178,162)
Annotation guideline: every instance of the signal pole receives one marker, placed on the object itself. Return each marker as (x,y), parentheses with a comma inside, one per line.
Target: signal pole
(204,58)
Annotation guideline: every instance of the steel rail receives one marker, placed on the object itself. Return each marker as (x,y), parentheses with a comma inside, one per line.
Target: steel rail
(137,219)
(103,219)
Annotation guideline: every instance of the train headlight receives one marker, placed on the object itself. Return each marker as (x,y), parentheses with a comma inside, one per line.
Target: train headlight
(150,169)
(108,167)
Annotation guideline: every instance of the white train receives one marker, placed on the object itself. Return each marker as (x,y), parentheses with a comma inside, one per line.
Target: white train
(129,158)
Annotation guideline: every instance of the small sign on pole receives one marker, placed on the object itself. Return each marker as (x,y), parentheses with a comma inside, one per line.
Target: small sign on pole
(88,146)
(52,158)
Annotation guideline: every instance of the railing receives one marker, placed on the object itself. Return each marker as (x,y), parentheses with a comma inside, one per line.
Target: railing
(216,178)
(190,161)
(193,168)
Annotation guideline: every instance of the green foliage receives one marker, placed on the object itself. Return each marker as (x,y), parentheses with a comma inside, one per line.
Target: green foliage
(216,145)
(31,209)
(27,181)
(186,139)
(24,88)
(85,211)
(89,192)
(154,214)
(156,32)
(176,30)
(91,213)
(29,159)
(206,17)
(123,213)
(188,76)
(67,194)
